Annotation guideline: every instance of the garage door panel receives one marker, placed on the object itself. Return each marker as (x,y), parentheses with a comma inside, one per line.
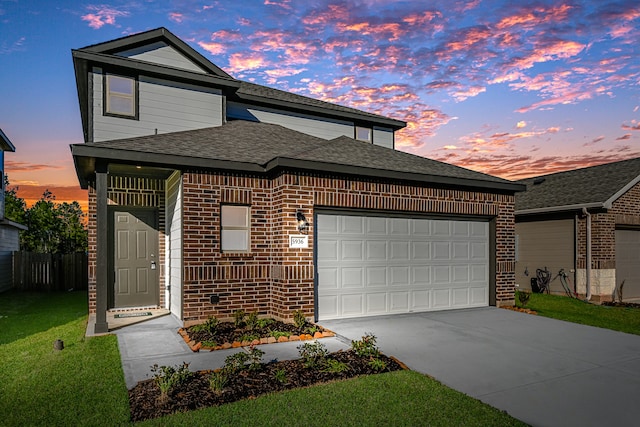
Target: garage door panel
(376,250)
(376,277)
(399,302)
(375,265)
(399,275)
(460,297)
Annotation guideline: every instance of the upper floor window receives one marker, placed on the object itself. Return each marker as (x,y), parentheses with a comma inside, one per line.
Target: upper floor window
(363,134)
(121,96)
(234,226)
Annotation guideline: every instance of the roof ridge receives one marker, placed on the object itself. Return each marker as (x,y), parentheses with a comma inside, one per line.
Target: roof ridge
(571,171)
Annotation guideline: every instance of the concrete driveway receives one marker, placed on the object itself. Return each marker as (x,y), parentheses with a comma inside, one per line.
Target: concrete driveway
(542,371)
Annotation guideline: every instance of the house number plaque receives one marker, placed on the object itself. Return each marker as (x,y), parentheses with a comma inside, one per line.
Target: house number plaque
(298,241)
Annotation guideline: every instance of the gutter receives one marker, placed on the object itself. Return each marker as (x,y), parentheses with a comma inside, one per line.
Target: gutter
(578,207)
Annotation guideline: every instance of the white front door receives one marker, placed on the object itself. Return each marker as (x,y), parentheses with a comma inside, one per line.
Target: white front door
(371,265)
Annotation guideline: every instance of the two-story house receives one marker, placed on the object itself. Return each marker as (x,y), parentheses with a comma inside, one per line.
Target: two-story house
(208,194)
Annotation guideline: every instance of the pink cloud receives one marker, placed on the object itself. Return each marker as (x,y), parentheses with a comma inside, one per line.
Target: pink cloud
(176,17)
(240,62)
(624,137)
(102,15)
(213,48)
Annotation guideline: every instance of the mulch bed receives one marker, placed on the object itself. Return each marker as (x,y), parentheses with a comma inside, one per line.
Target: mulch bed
(146,403)
(227,335)
(519,309)
(621,304)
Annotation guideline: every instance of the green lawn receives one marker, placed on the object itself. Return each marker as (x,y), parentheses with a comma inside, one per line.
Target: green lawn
(84,384)
(578,311)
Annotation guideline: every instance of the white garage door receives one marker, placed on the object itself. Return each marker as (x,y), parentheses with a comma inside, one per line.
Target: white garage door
(371,265)
(628,262)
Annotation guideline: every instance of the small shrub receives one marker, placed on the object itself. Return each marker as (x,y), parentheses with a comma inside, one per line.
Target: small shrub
(334,366)
(523,297)
(238,318)
(218,381)
(263,323)
(313,353)
(298,319)
(255,358)
(209,343)
(210,326)
(366,347)
(281,376)
(249,337)
(252,321)
(236,362)
(377,365)
(312,330)
(166,377)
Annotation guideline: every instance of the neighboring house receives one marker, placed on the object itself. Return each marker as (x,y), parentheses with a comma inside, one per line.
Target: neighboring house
(585,221)
(208,195)
(9,230)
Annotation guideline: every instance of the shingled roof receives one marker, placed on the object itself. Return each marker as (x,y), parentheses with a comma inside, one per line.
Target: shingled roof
(262,148)
(591,187)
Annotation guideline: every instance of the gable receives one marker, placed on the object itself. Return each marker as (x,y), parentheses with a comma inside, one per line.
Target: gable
(162,54)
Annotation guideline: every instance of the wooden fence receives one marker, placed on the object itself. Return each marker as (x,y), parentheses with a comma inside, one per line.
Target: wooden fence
(49,272)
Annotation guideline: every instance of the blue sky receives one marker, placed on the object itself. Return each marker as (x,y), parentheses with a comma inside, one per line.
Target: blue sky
(509,88)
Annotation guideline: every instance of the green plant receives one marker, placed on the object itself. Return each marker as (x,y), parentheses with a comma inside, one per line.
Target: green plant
(218,381)
(334,366)
(523,297)
(377,364)
(210,325)
(166,377)
(255,358)
(366,347)
(209,343)
(313,353)
(263,323)
(252,321)
(278,334)
(238,318)
(298,319)
(281,376)
(312,329)
(236,362)
(248,337)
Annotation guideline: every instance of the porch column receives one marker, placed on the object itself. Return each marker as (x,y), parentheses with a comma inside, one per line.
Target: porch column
(102,273)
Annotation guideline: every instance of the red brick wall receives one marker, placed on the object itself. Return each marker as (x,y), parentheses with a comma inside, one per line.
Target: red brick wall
(274,279)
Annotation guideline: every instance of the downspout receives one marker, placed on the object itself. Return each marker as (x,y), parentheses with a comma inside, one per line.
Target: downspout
(588,261)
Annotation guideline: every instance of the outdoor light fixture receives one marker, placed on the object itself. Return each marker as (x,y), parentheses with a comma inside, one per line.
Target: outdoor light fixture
(303,224)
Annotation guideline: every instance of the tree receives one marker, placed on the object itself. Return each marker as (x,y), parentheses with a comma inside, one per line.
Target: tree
(52,227)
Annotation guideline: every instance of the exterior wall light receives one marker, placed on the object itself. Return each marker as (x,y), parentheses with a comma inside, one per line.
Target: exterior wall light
(303,224)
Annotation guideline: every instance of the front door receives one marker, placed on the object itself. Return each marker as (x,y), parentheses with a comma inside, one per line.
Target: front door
(136,262)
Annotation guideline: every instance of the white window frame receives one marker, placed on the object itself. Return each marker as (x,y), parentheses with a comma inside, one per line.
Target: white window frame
(131,97)
(358,135)
(235,227)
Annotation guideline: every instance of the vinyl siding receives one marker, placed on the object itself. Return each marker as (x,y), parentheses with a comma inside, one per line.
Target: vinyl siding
(164,106)
(315,126)
(8,243)
(161,53)
(174,243)
(543,244)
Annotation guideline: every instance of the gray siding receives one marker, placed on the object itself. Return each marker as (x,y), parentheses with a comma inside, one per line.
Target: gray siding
(9,242)
(315,126)
(543,244)
(383,137)
(173,243)
(163,54)
(164,106)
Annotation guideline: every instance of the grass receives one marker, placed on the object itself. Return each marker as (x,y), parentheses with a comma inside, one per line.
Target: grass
(84,383)
(577,311)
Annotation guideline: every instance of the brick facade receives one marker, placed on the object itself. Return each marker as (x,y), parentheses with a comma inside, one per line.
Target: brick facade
(273,279)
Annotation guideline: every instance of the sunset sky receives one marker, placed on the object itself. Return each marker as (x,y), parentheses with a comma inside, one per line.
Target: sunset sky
(508,88)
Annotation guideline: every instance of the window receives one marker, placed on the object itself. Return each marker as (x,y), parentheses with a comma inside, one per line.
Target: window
(363,134)
(234,228)
(120,96)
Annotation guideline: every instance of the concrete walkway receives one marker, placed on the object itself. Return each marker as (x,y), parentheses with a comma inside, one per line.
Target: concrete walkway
(542,371)
(157,342)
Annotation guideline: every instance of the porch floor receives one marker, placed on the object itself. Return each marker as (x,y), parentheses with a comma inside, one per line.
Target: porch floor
(119,318)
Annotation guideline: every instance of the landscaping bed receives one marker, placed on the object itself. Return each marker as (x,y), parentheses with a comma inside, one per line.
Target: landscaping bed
(248,329)
(621,304)
(244,376)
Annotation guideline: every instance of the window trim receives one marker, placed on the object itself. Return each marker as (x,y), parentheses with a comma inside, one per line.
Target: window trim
(246,228)
(106,96)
